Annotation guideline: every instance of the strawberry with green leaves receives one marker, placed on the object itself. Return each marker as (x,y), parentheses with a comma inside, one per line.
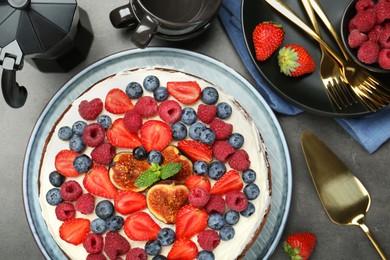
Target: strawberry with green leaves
(300,245)
(267,37)
(294,60)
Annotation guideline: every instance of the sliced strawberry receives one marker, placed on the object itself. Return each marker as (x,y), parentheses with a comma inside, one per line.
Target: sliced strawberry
(196,150)
(186,92)
(119,136)
(155,135)
(117,102)
(141,227)
(228,182)
(190,220)
(127,202)
(183,249)
(74,230)
(64,163)
(97,182)
(198,181)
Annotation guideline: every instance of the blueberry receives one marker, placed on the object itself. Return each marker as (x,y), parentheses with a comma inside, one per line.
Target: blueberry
(188,116)
(78,127)
(154,156)
(236,140)
(205,255)
(207,136)
(159,257)
(209,95)
(151,83)
(224,110)
(196,129)
(65,133)
(104,209)
(140,153)
(82,163)
(160,94)
(249,176)
(76,144)
(201,167)
(56,179)
(215,221)
(227,233)
(231,217)
(114,223)
(152,247)
(134,90)
(179,131)
(249,210)
(53,196)
(105,121)
(98,226)
(251,191)
(166,236)
(216,170)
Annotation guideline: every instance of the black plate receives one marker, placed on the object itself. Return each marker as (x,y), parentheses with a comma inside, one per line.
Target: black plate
(306,92)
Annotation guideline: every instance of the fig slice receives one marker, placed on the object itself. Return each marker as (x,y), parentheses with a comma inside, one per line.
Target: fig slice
(172,154)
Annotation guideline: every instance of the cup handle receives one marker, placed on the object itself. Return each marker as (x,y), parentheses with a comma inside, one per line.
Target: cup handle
(14,95)
(144,32)
(123,17)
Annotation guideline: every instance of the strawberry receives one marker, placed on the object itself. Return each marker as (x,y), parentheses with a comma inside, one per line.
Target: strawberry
(155,135)
(198,181)
(295,61)
(186,92)
(119,136)
(300,245)
(64,163)
(190,220)
(141,227)
(127,202)
(267,37)
(195,150)
(74,230)
(117,102)
(97,182)
(183,249)
(228,182)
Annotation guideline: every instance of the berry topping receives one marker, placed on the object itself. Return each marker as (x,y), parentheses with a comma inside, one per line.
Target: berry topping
(207,136)
(119,136)
(141,227)
(208,239)
(216,170)
(82,163)
(221,129)
(71,190)
(85,204)
(228,182)
(179,131)
(140,153)
(134,90)
(93,135)
(74,230)
(151,83)
(77,144)
(190,220)
(127,202)
(89,110)
(249,210)
(183,249)
(64,211)
(216,204)
(53,197)
(65,133)
(206,113)
(231,217)
(98,226)
(170,111)
(115,245)
(115,223)
(222,150)
(201,167)
(188,116)
(155,135)
(56,179)
(198,197)
(97,182)
(252,191)
(267,37)
(227,233)
(186,92)
(146,106)
(160,94)
(78,127)
(195,150)
(93,243)
(104,209)
(236,140)
(194,181)
(236,200)
(152,247)
(206,255)
(136,253)
(132,121)
(64,163)
(154,156)
(117,102)
(216,221)
(196,130)
(103,154)
(239,160)
(209,95)
(166,236)
(224,110)
(98,256)
(105,121)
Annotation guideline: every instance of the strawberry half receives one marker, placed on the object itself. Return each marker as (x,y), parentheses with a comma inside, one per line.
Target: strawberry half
(186,92)
(97,182)
(141,227)
(295,61)
(183,249)
(74,230)
(127,202)
(117,102)
(190,220)
(118,135)
(228,182)
(300,245)
(64,163)
(267,37)
(198,181)
(196,150)
(155,135)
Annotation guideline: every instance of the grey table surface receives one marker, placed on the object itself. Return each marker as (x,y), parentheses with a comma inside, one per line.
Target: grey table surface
(306,212)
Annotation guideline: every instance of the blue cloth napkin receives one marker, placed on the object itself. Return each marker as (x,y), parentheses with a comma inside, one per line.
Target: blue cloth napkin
(370,131)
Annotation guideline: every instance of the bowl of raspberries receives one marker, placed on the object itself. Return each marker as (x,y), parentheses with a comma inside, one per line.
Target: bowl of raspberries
(365,32)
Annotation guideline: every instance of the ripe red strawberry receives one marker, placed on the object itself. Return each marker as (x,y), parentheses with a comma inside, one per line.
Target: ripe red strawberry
(228,182)
(118,135)
(64,163)
(295,61)
(74,230)
(186,92)
(195,150)
(183,249)
(267,37)
(97,182)
(190,220)
(127,202)
(155,135)
(141,227)
(300,245)
(198,181)
(117,102)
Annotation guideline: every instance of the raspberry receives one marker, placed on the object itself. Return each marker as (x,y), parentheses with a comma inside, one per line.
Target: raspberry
(351,25)
(103,154)
(216,204)
(93,135)
(365,20)
(85,204)
(90,110)
(382,9)
(115,245)
(236,200)
(93,243)
(384,59)
(208,239)
(64,211)
(362,5)
(146,106)
(221,129)
(222,150)
(369,52)
(198,197)
(356,38)
(170,111)
(374,34)
(132,121)
(71,190)
(239,160)
(96,257)
(206,113)
(384,38)
(136,253)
